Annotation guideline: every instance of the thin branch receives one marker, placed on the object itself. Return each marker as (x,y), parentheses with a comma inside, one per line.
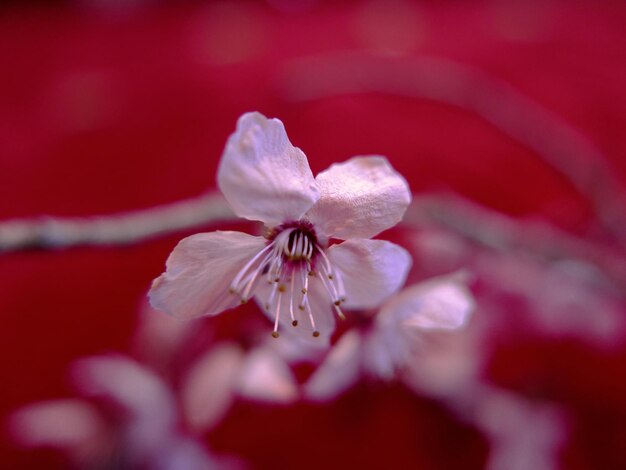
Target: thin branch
(504,233)
(116,229)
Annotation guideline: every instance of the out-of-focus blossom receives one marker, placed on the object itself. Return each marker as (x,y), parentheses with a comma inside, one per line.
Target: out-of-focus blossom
(294,273)
(224,373)
(391,344)
(128,419)
(523,435)
(565,298)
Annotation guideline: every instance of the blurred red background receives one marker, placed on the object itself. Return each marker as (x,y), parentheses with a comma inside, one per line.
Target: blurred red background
(110,107)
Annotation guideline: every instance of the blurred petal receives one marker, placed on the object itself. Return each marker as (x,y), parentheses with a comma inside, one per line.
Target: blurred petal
(144,397)
(199,273)
(183,454)
(67,424)
(266,377)
(359,198)
(371,270)
(441,303)
(262,175)
(381,353)
(207,390)
(339,371)
(158,337)
(506,420)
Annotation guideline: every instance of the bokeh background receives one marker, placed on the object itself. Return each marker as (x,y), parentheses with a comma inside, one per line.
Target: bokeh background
(519,106)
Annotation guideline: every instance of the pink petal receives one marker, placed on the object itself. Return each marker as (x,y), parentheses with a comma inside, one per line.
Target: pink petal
(266,377)
(199,273)
(339,371)
(158,337)
(207,391)
(440,303)
(147,403)
(371,270)
(359,198)
(72,425)
(262,175)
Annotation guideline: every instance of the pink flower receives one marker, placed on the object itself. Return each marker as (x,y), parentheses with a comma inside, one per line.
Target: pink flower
(296,276)
(395,342)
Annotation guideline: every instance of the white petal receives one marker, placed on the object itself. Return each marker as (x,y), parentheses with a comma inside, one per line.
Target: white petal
(199,272)
(321,307)
(266,377)
(371,270)
(359,198)
(441,303)
(207,391)
(262,175)
(339,371)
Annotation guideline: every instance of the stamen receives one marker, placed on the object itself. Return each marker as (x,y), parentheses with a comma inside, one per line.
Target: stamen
(273,274)
(270,301)
(275,332)
(330,287)
(341,289)
(327,262)
(305,248)
(305,284)
(294,322)
(339,312)
(299,246)
(332,291)
(249,283)
(291,256)
(311,319)
(248,265)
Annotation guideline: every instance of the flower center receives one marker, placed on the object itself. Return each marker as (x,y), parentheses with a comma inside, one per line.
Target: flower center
(292,259)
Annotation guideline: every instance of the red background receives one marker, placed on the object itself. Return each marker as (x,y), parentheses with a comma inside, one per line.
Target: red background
(106,110)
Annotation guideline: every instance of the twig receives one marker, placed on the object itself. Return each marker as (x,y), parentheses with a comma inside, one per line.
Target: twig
(117,229)
(504,233)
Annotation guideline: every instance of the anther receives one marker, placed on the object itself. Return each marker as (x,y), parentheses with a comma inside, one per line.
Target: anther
(294,323)
(275,334)
(303,290)
(316,334)
(301,307)
(282,288)
(340,313)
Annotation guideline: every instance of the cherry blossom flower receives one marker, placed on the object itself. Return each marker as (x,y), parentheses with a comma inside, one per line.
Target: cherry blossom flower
(295,273)
(392,343)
